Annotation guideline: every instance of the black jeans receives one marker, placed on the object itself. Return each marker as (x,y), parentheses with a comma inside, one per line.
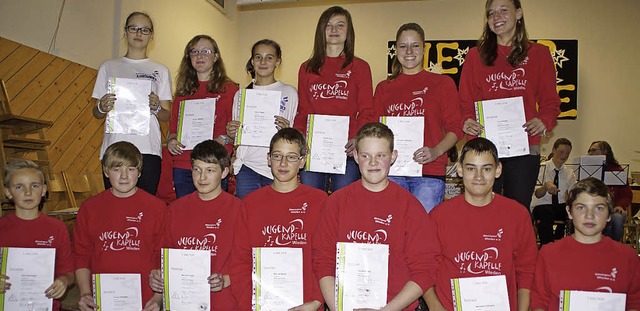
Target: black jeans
(150,175)
(545,215)
(518,179)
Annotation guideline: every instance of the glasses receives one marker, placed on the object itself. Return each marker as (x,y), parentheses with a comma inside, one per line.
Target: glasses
(194,53)
(134,29)
(290,157)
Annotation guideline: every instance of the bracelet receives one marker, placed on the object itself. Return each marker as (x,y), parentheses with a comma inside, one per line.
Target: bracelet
(225,139)
(98,106)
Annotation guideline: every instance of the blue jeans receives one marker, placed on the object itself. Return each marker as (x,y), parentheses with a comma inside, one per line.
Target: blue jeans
(248,180)
(321,180)
(183,182)
(615,227)
(429,191)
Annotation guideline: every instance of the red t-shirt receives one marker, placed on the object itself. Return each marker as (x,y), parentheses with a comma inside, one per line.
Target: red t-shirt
(392,216)
(335,91)
(272,219)
(534,80)
(224,103)
(205,225)
(42,232)
(606,266)
(426,94)
(496,239)
(120,235)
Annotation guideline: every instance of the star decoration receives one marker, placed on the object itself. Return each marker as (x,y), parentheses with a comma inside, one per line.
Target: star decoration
(559,58)
(461,55)
(558,80)
(392,51)
(435,68)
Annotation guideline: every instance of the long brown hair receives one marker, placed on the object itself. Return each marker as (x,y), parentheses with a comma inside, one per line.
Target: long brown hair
(187,78)
(249,66)
(396,67)
(320,42)
(488,42)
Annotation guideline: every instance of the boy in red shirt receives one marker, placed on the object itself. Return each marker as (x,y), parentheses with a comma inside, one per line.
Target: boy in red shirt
(118,230)
(492,235)
(205,220)
(29,228)
(286,203)
(374,210)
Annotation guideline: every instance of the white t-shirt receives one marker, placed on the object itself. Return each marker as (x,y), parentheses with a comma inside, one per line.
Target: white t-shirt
(254,157)
(161,85)
(566,180)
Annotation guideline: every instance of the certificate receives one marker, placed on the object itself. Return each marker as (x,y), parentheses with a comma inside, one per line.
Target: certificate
(408,136)
(502,120)
(572,300)
(277,278)
(117,292)
(31,272)
(483,293)
(361,275)
(195,121)
(258,109)
(130,113)
(185,279)
(326,138)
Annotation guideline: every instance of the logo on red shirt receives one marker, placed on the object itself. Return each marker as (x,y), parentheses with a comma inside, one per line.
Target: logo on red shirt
(214,226)
(607,276)
(508,81)
(206,243)
(117,241)
(378,237)
(329,91)
(411,109)
(483,262)
(47,243)
(494,237)
(137,219)
(282,235)
(300,210)
(383,221)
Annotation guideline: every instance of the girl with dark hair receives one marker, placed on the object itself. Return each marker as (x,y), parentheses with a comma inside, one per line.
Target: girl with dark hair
(335,82)
(586,260)
(506,64)
(622,194)
(201,75)
(138,31)
(413,91)
(250,165)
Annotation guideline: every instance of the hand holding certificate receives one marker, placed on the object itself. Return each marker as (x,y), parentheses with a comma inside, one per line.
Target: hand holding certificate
(572,300)
(195,122)
(31,272)
(484,293)
(503,120)
(117,292)
(258,109)
(361,275)
(408,136)
(130,114)
(326,138)
(185,279)
(277,278)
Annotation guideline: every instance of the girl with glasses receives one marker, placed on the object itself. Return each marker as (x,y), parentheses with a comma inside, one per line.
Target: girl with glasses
(201,75)
(138,31)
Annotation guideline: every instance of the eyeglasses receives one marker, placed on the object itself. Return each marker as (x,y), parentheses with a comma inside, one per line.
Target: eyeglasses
(134,29)
(290,157)
(194,53)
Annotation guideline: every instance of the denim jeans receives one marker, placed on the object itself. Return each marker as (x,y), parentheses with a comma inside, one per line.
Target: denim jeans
(183,182)
(321,180)
(248,180)
(615,227)
(429,191)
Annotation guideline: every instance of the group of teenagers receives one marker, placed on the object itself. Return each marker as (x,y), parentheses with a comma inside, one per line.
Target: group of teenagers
(485,231)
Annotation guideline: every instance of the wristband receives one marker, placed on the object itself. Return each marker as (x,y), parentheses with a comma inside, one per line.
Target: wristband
(98,106)
(225,139)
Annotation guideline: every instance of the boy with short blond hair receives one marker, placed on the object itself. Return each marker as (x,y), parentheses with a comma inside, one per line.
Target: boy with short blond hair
(119,229)
(373,205)
(29,228)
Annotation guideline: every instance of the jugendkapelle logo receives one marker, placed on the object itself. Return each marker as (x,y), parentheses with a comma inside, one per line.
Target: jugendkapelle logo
(377,237)
(299,210)
(117,241)
(509,81)
(383,221)
(47,243)
(214,226)
(137,219)
(607,276)
(494,237)
(483,262)
(414,108)
(328,91)
(282,235)
(206,243)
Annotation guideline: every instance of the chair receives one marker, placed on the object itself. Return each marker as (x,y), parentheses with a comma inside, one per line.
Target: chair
(58,202)
(77,189)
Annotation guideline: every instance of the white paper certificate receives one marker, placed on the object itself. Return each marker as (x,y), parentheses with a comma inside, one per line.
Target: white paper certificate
(130,113)
(484,293)
(361,275)
(195,122)
(185,279)
(326,138)
(408,136)
(258,109)
(31,272)
(117,292)
(502,120)
(277,278)
(591,301)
